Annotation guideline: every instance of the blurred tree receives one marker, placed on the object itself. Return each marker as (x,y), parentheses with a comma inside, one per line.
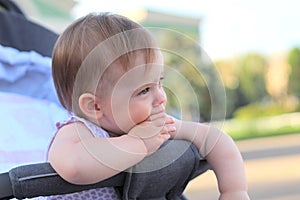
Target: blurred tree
(277,78)
(244,80)
(252,85)
(294,62)
(229,73)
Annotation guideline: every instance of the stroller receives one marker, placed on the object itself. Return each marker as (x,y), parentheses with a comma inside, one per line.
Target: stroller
(40,179)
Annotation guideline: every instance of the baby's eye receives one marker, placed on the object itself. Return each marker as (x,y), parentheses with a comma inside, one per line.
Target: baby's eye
(144,91)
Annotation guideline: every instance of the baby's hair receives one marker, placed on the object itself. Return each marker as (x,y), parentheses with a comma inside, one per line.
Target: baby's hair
(89,46)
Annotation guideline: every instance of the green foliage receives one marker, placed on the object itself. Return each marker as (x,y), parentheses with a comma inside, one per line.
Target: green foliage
(252,69)
(257,110)
(244,80)
(263,126)
(294,62)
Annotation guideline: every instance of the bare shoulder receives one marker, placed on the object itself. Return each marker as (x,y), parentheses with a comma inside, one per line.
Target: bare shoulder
(66,142)
(72,133)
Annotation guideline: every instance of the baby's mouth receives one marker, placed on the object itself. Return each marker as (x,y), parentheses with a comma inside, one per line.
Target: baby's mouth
(157,109)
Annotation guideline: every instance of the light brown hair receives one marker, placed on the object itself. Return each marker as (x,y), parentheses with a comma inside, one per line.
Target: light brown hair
(88,46)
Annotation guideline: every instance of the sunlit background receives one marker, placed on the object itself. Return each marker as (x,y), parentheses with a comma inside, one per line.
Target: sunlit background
(227,28)
(255,47)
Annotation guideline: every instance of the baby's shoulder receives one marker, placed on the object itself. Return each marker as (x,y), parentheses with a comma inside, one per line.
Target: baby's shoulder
(73,132)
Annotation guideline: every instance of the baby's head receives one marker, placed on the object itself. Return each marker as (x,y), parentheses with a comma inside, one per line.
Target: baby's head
(94,52)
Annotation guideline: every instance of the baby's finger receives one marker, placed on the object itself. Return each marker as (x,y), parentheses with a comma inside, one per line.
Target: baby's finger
(159,122)
(165,136)
(168,129)
(162,119)
(172,129)
(157,116)
(169,120)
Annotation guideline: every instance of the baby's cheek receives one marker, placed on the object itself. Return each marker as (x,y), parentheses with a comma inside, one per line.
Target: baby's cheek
(140,115)
(165,103)
(166,99)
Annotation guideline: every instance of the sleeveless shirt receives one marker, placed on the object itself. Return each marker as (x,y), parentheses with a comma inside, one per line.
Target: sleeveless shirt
(105,193)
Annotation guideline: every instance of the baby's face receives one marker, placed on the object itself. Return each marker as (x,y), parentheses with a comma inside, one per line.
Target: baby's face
(137,94)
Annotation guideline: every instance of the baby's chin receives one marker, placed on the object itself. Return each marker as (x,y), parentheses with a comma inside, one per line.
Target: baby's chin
(119,132)
(113,134)
(116,132)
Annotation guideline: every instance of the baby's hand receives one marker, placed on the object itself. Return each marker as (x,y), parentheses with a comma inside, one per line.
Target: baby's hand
(154,131)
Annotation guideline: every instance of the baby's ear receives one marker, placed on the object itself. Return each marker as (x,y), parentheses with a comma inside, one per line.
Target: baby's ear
(90,106)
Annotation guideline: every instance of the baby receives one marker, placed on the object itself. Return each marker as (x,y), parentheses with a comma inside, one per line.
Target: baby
(107,71)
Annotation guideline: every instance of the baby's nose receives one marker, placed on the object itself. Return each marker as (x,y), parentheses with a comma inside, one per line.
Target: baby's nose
(160,98)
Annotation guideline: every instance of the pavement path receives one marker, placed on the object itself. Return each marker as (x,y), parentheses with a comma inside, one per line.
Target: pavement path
(273,170)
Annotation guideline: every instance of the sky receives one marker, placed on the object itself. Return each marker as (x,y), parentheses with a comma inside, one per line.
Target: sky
(228,27)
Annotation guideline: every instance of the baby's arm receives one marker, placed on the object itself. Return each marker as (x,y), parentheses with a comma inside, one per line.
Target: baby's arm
(80,158)
(221,153)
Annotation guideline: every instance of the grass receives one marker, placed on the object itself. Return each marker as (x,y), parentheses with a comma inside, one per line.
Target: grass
(261,127)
